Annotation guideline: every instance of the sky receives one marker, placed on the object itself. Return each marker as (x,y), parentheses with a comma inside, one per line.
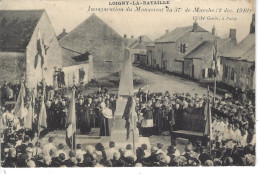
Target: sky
(70,13)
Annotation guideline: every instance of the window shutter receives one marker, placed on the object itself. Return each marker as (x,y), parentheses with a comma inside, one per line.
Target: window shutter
(184,48)
(203,73)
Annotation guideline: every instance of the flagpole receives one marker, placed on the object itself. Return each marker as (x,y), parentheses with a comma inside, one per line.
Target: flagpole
(146,92)
(73,136)
(209,123)
(215,69)
(23,118)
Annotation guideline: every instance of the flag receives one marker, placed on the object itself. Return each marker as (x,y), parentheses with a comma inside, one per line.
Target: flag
(29,118)
(208,126)
(42,121)
(215,62)
(128,115)
(71,123)
(41,50)
(19,105)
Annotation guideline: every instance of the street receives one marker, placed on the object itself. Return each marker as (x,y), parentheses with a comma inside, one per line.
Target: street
(159,82)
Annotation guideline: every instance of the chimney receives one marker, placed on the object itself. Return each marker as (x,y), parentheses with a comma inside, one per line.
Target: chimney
(166,31)
(125,36)
(195,26)
(214,30)
(141,39)
(132,37)
(232,34)
(252,26)
(64,30)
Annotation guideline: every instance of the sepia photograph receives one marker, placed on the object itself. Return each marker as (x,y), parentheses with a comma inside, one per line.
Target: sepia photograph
(113,83)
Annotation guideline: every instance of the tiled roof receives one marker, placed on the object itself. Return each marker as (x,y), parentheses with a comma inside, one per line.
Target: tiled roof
(17,27)
(145,39)
(93,28)
(205,49)
(245,50)
(177,33)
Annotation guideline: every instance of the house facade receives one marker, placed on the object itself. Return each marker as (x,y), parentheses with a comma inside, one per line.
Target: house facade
(150,62)
(29,41)
(171,48)
(198,64)
(239,63)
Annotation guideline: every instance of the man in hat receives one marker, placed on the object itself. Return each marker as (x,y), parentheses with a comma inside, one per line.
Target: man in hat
(158,121)
(55,113)
(62,115)
(80,112)
(172,119)
(85,120)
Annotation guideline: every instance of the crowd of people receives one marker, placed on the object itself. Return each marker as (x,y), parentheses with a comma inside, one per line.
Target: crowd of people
(30,154)
(233,129)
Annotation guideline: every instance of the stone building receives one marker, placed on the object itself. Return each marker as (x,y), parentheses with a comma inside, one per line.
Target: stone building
(98,39)
(28,47)
(239,63)
(198,63)
(171,48)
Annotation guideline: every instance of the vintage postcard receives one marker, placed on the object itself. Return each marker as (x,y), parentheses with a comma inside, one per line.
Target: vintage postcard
(127,83)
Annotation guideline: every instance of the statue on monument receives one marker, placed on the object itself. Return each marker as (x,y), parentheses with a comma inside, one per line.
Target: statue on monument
(130,116)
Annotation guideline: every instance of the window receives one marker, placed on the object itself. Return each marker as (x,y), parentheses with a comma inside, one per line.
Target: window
(138,57)
(183,48)
(210,72)
(203,73)
(225,71)
(249,71)
(242,70)
(232,74)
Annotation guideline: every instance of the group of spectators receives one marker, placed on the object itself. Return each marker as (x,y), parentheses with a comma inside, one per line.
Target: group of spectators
(233,130)
(28,153)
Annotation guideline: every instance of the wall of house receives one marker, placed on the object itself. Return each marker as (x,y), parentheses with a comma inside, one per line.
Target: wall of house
(197,69)
(71,71)
(178,67)
(158,54)
(188,67)
(169,52)
(243,75)
(150,56)
(52,58)
(13,66)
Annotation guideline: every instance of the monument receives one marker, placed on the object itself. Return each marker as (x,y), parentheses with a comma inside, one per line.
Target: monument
(119,131)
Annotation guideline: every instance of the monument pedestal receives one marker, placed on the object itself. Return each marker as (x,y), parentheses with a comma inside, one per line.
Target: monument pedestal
(118,131)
